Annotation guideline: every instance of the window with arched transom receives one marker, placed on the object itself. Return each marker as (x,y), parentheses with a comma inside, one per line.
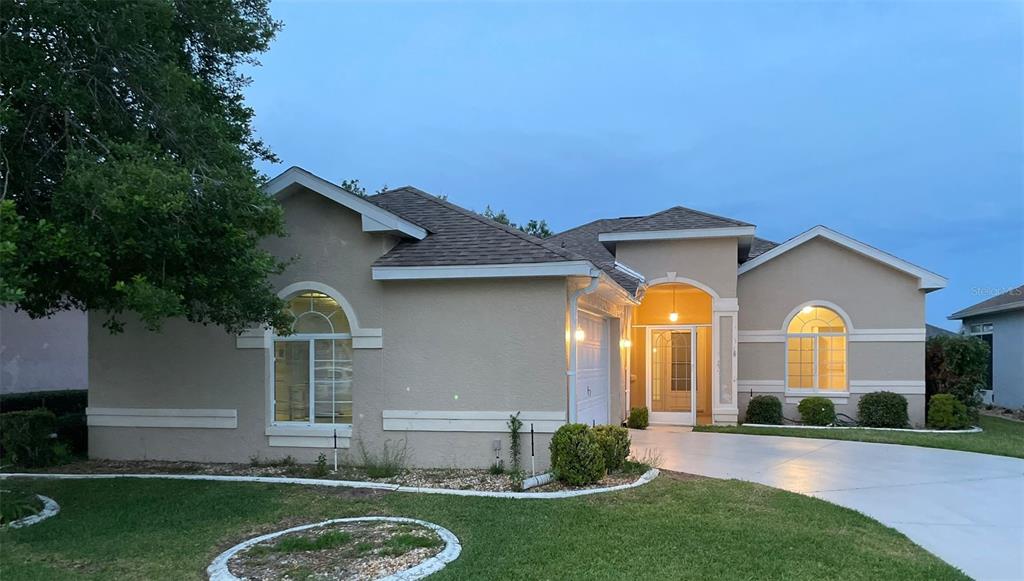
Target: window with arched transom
(816,356)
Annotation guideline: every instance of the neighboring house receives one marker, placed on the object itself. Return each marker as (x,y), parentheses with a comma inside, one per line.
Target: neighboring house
(935,331)
(999,321)
(423,324)
(43,354)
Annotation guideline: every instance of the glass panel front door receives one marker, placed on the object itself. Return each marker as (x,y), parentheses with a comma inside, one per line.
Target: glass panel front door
(673,375)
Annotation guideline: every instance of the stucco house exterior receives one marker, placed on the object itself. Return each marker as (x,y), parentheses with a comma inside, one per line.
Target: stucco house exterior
(999,321)
(425,325)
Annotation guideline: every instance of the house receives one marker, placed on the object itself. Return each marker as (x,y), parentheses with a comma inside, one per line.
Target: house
(425,325)
(999,321)
(936,331)
(43,354)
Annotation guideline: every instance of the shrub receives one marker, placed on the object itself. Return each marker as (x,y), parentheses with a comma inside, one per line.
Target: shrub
(70,401)
(388,463)
(764,409)
(946,412)
(614,442)
(73,430)
(27,437)
(639,419)
(576,457)
(883,409)
(515,425)
(817,411)
(320,470)
(957,365)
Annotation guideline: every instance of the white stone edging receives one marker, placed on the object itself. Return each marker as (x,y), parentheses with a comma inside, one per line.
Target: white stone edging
(50,508)
(644,479)
(218,569)
(972,430)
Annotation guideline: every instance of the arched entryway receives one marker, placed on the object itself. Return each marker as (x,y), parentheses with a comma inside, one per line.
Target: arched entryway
(672,354)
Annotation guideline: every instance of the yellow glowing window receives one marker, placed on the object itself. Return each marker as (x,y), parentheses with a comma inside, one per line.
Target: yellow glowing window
(816,350)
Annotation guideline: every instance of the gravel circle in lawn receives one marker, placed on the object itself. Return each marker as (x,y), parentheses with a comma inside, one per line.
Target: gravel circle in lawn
(363,548)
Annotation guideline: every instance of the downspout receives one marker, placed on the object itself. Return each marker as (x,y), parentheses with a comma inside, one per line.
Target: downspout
(570,372)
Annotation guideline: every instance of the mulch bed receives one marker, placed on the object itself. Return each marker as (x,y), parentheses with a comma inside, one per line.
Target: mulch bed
(352,551)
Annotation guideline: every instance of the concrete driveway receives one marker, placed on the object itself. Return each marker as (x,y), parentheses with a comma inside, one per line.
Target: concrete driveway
(966,508)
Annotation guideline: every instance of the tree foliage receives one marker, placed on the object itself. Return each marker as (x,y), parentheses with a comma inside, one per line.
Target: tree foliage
(127,161)
(957,365)
(538,228)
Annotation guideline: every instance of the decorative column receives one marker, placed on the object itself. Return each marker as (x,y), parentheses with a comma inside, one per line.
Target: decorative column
(724,328)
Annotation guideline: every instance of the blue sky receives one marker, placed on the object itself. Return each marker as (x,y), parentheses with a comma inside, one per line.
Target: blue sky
(900,124)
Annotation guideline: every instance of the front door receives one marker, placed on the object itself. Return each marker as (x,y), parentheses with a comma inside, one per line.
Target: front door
(672,374)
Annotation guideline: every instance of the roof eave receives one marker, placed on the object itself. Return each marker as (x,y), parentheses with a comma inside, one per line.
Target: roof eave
(972,312)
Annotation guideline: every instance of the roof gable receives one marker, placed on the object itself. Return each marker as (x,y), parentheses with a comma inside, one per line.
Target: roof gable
(927,280)
(375,218)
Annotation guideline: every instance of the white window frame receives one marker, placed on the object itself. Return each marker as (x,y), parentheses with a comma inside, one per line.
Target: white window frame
(311,339)
(816,390)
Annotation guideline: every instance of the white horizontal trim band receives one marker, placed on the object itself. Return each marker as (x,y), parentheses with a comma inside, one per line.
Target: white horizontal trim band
(855,336)
(308,442)
(861,386)
(688,233)
(468,421)
(568,268)
(161,418)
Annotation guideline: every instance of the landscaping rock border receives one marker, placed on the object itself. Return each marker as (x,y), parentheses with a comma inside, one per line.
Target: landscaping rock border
(644,479)
(50,508)
(218,569)
(973,430)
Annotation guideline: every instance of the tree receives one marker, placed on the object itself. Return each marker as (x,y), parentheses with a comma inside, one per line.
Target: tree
(538,228)
(957,365)
(127,179)
(359,190)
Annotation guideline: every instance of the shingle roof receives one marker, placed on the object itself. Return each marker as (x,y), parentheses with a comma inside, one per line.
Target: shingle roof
(1011,299)
(678,218)
(583,240)
(459,236)
(759,246)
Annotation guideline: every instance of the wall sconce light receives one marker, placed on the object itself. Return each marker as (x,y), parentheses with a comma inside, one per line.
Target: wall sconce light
(580,335)
(625,343)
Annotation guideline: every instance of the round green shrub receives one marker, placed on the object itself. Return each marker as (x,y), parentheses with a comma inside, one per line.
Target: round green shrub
(946,412)
(764,409)
(639,419)
(576,457)
(883,409)
(614,442)
(817,411)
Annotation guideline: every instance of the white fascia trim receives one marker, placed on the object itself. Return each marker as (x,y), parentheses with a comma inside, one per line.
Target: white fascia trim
(468,421)
(629,271)
(531,269)
(927,280)
(736,231)
(161,418)
(381,219)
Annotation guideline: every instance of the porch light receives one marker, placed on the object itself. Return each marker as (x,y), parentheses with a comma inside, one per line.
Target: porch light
(580,335)
(625,343)
(673,316)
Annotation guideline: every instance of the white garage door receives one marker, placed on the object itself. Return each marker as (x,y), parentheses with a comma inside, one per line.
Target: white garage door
(592,386)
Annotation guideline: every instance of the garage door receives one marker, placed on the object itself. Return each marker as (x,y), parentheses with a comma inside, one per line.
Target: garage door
(592,386)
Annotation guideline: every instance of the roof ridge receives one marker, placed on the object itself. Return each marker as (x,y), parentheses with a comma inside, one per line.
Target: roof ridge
(624,227)
(489,222)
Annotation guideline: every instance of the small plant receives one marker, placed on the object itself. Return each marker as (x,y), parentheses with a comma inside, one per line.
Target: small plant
(883,409)
(639,418)
(403,543)
(497,468)
(28,438)
(16,504)
(764,409)
(516,478)
(389,463)
(576,457)
(614,442)
(320,468)
(515,446)
(946,412)
(817,411)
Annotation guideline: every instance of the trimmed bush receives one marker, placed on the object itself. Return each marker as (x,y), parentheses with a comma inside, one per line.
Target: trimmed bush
(576,457)
(764,409)
(946,412)
(817,411)
(639,419)
(614,442)
(883,409)
(27,438)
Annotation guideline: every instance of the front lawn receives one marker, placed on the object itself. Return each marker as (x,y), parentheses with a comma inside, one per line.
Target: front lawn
(1000,437)
(673,528)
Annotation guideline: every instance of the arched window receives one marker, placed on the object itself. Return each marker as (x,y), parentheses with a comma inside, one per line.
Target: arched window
(816,350)
(313,366)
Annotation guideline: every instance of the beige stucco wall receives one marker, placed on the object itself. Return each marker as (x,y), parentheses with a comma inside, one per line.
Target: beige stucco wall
(711,261)
(873,295)
(457,345)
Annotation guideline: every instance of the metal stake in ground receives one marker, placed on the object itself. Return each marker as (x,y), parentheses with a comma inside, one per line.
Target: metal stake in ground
(533,457)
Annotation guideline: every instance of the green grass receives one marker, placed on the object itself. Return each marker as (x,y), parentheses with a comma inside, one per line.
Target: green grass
(1000,437)
(16,503)
(668,529)
(403,543)
(297,544)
